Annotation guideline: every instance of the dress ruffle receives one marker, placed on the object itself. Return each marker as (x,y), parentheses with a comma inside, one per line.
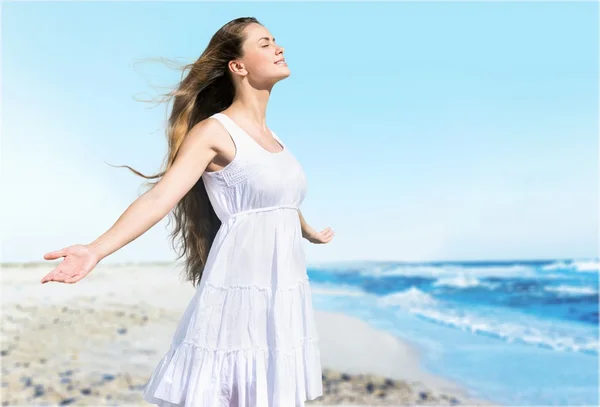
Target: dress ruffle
(242,346)
(237,378)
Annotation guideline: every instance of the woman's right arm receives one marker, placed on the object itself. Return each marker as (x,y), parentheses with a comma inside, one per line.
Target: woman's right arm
(198,149)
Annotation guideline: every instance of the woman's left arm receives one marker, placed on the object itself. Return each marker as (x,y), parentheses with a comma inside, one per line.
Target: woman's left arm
(312,235)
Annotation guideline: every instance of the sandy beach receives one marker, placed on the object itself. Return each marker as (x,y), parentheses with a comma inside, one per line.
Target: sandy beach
(97,341)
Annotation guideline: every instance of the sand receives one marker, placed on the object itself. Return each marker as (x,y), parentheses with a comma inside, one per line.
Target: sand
(97,341)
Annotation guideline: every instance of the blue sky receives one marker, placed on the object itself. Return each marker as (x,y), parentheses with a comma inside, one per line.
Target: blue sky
(428,131)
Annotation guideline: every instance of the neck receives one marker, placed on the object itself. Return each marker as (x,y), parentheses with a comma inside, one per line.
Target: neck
(251,105)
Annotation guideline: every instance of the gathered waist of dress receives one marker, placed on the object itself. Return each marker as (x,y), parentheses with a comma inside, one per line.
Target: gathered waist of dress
(256,210)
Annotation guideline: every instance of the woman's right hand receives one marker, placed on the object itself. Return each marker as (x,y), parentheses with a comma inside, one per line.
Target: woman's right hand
(79,261)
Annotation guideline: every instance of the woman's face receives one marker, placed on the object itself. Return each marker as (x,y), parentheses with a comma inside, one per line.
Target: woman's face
(263,62)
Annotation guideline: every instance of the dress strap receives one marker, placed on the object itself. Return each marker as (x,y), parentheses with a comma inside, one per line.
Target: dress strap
(277,138)
(239,138)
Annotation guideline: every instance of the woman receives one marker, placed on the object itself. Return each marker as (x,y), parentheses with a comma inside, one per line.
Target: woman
(248,337)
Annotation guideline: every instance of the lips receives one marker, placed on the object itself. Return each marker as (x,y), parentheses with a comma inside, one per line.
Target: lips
(280,62)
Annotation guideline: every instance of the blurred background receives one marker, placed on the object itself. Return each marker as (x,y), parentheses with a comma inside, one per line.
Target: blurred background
(452,146)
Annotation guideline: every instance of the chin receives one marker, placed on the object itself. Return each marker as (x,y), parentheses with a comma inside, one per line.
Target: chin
(281,77)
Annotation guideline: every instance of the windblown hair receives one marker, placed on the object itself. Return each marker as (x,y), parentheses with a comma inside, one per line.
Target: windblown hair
(207,88)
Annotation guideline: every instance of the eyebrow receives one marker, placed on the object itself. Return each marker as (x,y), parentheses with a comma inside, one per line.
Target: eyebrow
(265,38)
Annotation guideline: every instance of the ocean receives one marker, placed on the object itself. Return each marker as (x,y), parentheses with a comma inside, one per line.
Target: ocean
(512,332)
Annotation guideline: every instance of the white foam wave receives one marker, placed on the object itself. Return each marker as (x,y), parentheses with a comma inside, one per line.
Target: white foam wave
(556,266)
(409,299)
(336,290)
(591,265)
(587,266)
(509,326)
(408,271)
(555,276)
(452,271)
(572,290)
(463,281)
(536,332)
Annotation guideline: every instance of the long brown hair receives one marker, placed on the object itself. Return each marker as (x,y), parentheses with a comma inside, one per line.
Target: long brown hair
(207,88)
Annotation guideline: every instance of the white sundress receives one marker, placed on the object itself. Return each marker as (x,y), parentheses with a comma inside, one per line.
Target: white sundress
(248,337)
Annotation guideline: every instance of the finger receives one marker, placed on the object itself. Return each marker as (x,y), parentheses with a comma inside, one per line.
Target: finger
(328,233)
(60,278)
(54,274)
(55,254)
(49,276)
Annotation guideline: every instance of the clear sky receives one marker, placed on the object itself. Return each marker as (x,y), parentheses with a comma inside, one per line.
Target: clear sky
(428,131)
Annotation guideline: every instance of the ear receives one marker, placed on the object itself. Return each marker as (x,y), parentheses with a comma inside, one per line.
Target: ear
(237,67)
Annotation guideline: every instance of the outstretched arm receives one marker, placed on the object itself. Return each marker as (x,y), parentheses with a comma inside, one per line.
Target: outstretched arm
(312,235)
(196,152)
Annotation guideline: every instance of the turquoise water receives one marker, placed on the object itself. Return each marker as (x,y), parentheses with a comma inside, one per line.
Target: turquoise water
(516,333)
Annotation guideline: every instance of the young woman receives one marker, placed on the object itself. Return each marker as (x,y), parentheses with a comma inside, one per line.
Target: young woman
(248,337)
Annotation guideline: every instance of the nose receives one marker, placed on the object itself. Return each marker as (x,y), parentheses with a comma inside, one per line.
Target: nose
(280,50)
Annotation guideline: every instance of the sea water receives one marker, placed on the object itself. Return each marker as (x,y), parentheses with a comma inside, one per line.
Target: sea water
(511,332)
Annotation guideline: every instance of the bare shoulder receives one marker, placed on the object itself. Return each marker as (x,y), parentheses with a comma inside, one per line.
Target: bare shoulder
(208,132)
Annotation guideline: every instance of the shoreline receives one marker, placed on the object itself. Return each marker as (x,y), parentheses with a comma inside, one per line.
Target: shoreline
(352,346)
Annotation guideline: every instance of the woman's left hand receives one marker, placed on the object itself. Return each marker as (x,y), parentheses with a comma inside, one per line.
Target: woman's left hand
(321,237)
